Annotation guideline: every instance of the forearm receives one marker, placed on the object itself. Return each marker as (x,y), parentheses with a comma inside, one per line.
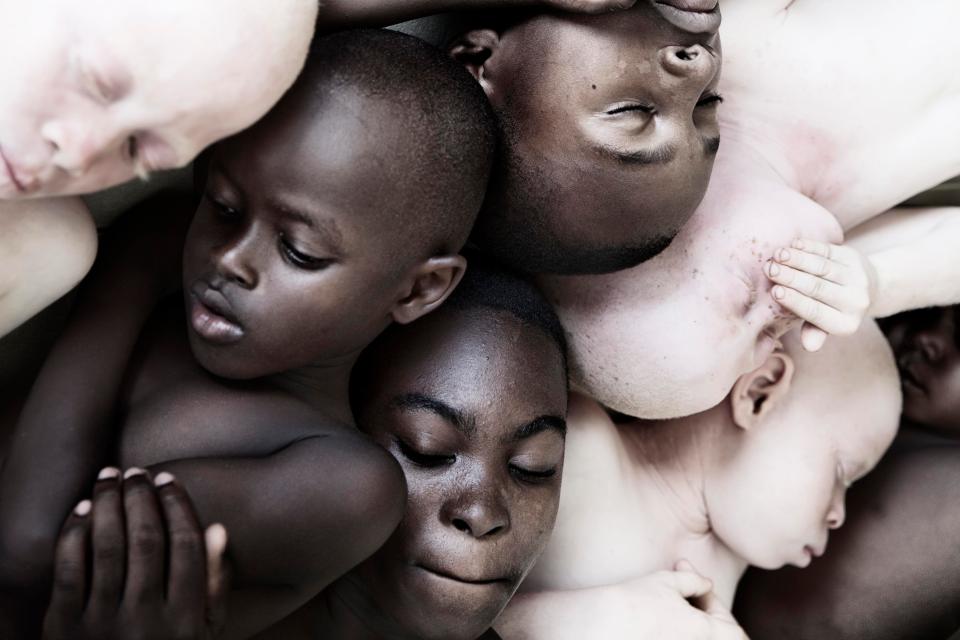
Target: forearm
(46,247)
(298,519)
(924,272)
(344,14)
(65,432)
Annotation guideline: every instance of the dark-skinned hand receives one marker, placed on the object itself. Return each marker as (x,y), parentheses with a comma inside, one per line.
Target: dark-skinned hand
(133,562)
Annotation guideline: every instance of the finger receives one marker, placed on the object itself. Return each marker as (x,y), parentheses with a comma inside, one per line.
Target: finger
(814,264)
(820,289)
(145,540)
(109,542)
(835,252)
(815,312)
(70,565)
(215,538)
(812,338)
(187,581)
(686,581)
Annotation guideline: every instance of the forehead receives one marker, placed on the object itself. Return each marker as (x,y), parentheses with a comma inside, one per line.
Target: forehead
(482,361)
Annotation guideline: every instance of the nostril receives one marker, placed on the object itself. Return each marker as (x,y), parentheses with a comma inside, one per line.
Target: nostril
(688,54)
(461,525)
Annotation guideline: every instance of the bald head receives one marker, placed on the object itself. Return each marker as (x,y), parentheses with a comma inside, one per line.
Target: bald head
(100,91)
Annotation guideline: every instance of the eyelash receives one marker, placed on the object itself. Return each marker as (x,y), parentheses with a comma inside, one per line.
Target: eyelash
(710,100)
(532,477)
(425,460)
(643,108)
(301,260)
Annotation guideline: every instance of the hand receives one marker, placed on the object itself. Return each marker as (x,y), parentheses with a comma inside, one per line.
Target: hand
(113,577)
(830,287)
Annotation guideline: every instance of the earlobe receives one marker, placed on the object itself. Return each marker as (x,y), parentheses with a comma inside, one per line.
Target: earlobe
(757,393)
(473,50)
(433,282)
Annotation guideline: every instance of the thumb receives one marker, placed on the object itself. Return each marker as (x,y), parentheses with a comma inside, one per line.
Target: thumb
(686,581)
(812,337)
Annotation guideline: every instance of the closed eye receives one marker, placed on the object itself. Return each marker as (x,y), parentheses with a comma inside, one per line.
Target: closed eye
(710,100)
(628,107)
(299,259)
(426,460)
(531,475)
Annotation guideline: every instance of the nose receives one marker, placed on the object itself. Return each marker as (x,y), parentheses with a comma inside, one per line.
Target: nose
(78,143)
(687,62)
(234,258)
(479,511)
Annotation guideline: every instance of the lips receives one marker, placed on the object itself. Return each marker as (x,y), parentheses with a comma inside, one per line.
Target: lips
(452,576)
(908,376)
(11,174)
(211,316)
(692,16)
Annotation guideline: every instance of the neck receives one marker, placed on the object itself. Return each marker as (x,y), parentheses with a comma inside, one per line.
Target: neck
(673,461)
(326,387)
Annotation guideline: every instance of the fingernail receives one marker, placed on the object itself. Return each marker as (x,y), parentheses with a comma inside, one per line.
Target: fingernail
(163,478)
(783,255)
(774,269)
(134,471)
(779,293)
(215,537)
(83,508)
(108,473)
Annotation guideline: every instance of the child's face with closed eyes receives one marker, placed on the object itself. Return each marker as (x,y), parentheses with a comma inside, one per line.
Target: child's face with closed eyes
(473,407)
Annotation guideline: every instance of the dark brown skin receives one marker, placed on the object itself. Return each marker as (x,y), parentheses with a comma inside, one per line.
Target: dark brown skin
(587,102)
(259,427)
(927,345)
(133,563)
(891,572)
(482,498)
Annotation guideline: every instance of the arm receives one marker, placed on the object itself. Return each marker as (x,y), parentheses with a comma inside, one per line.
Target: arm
(343,14)
(655,606)
(916,258)
(65,432)
(46,247)
(298,519)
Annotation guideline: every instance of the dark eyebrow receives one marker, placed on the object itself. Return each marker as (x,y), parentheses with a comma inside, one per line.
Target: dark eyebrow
(421,402)
(659,155)
(543,423)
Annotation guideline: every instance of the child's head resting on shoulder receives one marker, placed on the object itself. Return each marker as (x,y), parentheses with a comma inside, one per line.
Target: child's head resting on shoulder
(472,401)
(343,210)
(799,431)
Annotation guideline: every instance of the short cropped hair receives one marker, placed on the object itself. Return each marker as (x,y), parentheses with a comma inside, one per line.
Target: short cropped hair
(485,287)
(446,121)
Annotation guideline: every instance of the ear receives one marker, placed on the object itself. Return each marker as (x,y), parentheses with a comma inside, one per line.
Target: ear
(433,282)
(757,393)
(475,50)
